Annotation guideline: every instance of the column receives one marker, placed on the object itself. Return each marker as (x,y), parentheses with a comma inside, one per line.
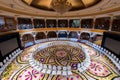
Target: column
(46,34)
(32,22)
(22,44)
(56,22)
(93,23)
(68,23)
(111,21)
(80,23)
(16,22)
(45,23)
(34,39)
(6,26)
(34,36)
(57,34)
(68,34)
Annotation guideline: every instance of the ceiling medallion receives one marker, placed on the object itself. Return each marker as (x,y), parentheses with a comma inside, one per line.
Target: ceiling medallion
(61,6)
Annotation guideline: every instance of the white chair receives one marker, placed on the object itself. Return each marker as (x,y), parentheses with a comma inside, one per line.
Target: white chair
(80,69)
(109,53)
(12,53)
(112,55)
(49,69)
(4,61)
(69,72)
(64,71)
(1,64)
(10,56)
(54,72)
(7,58)
(38,67)
(59,72)
(78,65)
(44,68)
(117,59)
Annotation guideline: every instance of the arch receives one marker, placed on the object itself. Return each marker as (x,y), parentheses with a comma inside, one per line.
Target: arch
(62,34)
(27,40)
(52,34)
(40,35)
(73,34)
(85,36)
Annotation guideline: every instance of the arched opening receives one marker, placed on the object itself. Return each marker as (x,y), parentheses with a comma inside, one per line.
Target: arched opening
(85,36)
(52,34)
(62,34)
(27,40)
(73,34)
(40,35)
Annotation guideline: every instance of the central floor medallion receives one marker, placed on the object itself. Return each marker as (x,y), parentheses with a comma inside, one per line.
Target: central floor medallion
(60,55)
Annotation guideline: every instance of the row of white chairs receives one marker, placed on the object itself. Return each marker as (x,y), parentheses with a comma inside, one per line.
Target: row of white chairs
(50,69)
(54,39)
(8,59)
(84,65)
(105,51)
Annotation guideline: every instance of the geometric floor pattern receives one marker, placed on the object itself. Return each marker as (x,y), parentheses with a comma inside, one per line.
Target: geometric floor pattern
(101,68)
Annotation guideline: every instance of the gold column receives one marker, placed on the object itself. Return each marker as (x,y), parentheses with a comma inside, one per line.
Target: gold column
(32,22)
(16,22)
(111,21)
(93,23)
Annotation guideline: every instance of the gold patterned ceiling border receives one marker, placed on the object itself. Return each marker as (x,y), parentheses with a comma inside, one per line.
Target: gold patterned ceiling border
(38,15)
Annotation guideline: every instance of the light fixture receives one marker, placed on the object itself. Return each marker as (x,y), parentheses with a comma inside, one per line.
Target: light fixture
(61,6)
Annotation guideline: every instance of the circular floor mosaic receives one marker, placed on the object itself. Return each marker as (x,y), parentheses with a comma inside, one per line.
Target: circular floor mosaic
(101,67)
(60,55)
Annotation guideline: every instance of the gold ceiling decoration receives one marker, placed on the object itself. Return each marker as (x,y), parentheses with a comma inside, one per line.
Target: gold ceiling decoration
(61,6)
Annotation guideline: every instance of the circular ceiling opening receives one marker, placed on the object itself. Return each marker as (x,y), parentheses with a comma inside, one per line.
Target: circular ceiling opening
(76,4)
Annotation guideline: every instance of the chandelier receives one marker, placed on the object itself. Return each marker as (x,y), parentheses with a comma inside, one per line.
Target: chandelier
(61,6)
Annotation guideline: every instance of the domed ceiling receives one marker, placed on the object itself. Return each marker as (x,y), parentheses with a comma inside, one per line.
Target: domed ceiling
(42,8)
(76,4)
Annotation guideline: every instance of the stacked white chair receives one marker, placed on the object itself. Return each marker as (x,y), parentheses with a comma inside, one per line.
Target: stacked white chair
(117,59)
(7,58)
(10,56)
(119,62)
(12,53)
(112,55)
(64,71)
(44,68)
(1,65)
(69,72)
(59,72)
(109,53)
(49,69)
(4,61)
(54,71)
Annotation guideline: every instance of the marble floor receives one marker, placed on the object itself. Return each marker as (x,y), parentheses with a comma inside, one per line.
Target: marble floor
(101,68)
